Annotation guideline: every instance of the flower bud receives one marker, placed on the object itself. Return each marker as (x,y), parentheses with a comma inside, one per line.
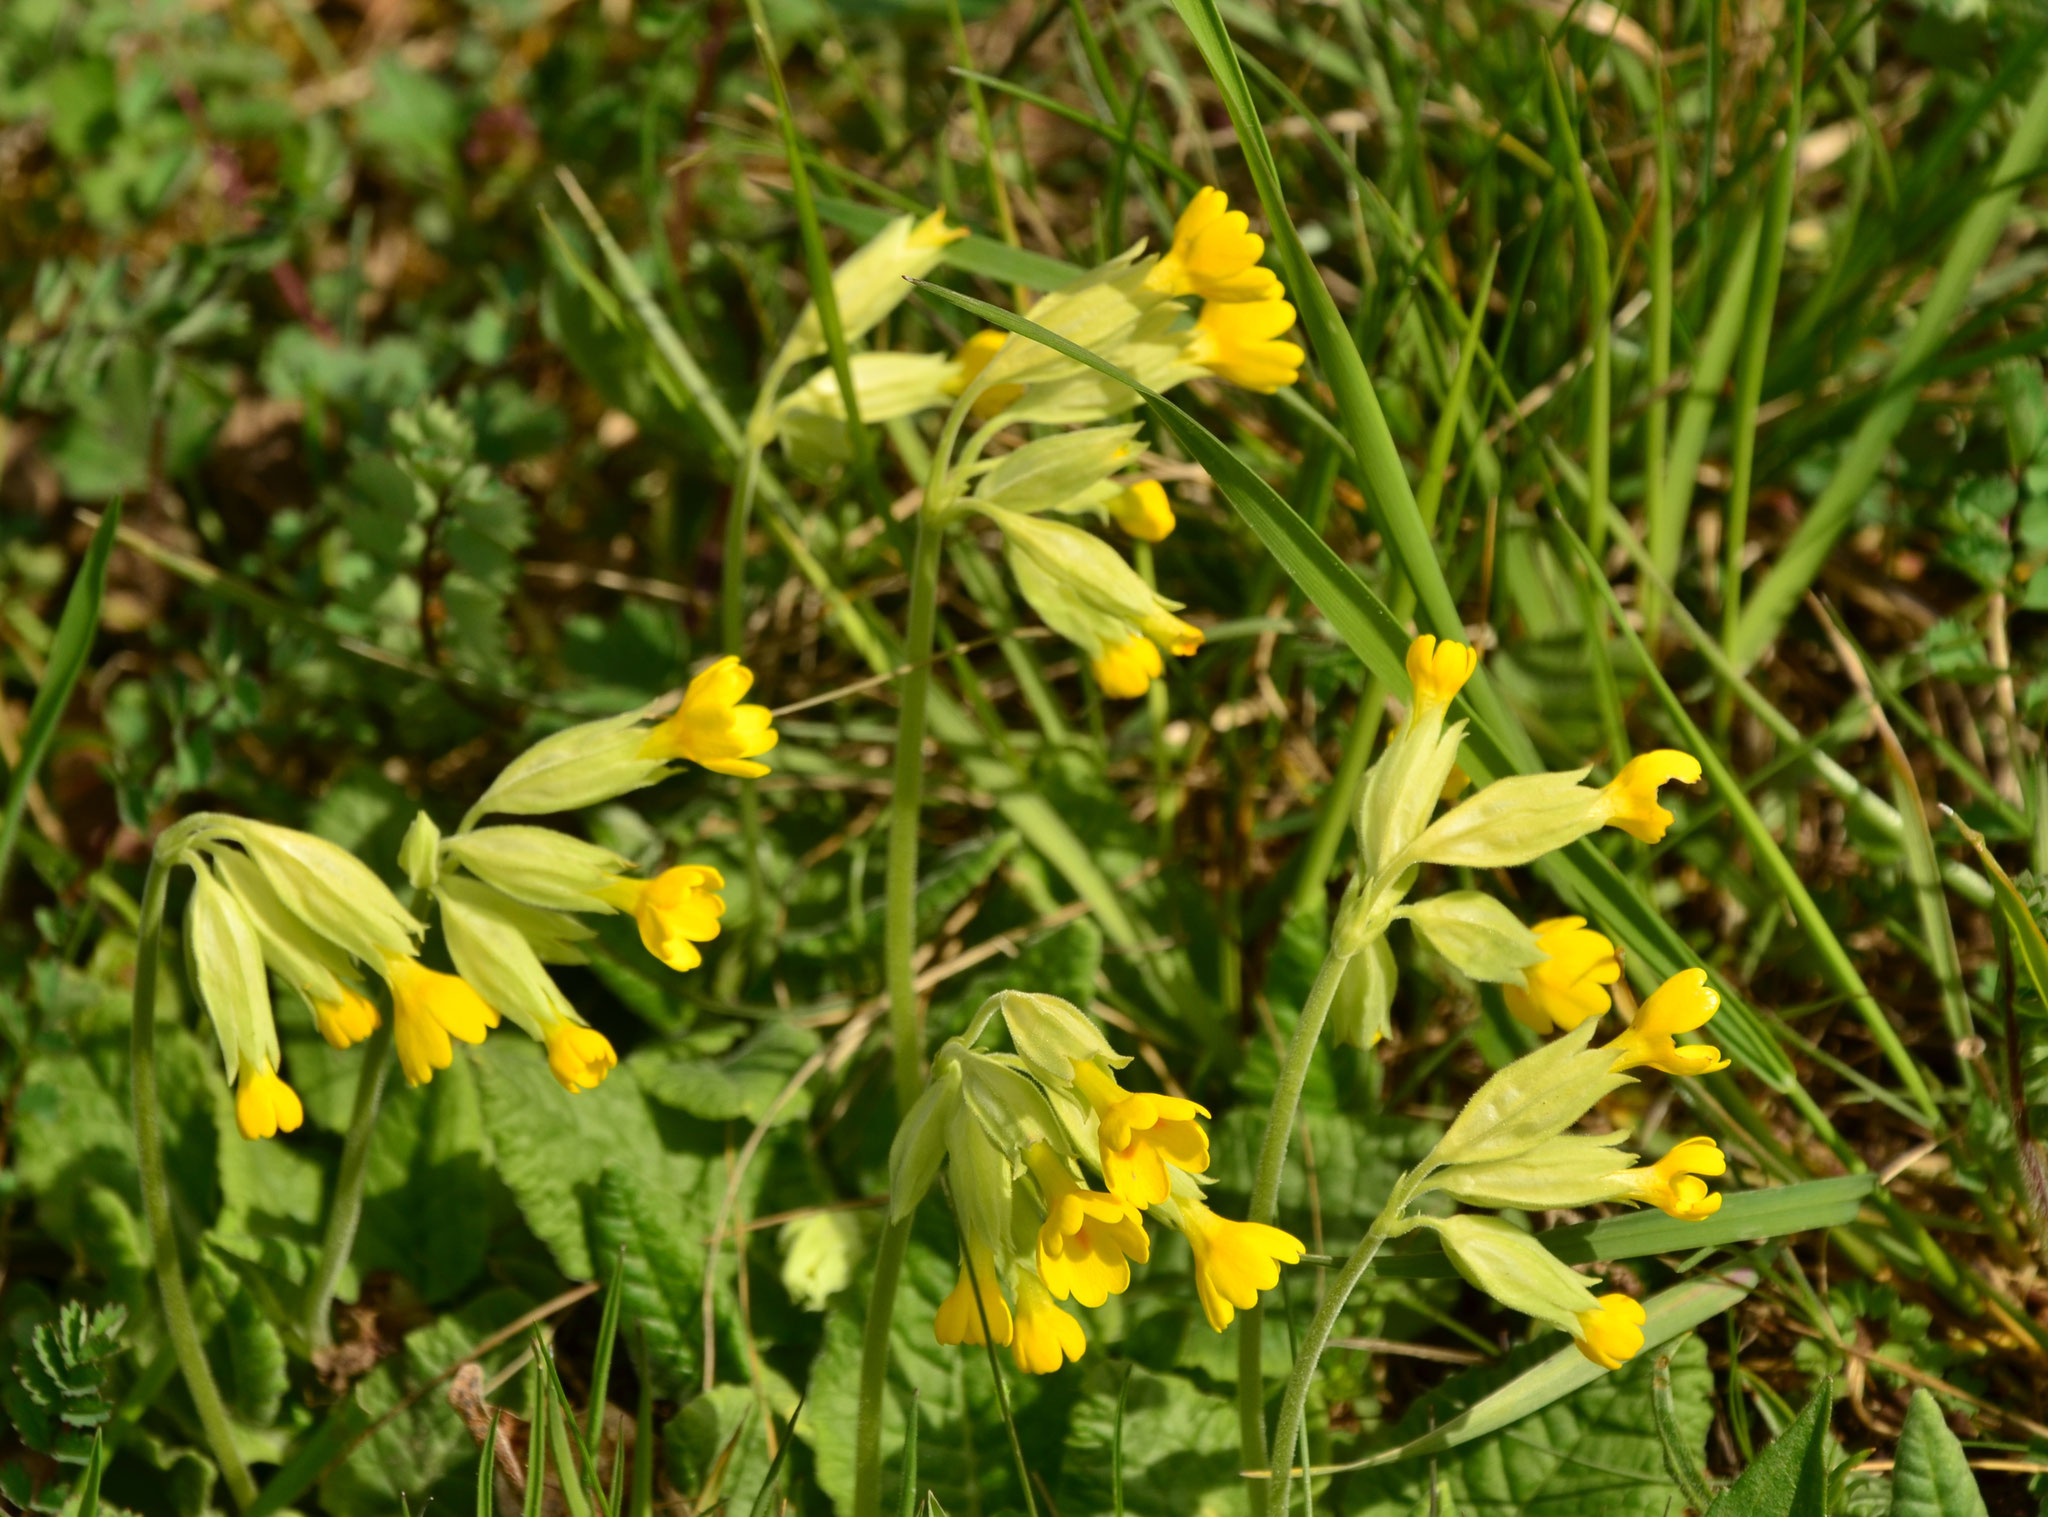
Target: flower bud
(1361,1012)
(539,865)
(920,1143)
(1478,936)
(1531,1101)
(1050,1034)
(1143,509)
(818,1255)
(870,283)
(419,854)
(226,958)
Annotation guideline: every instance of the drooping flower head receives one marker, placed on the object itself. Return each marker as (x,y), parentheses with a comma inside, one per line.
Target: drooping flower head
(346,1020)
(1239,341)
(1141,1134)
(579,1056)
(1126,670)
(1570,985)
(959,1318)
(1629,800)
(1045,1336)
(1438,669)
(430,1008)
(676,910)
(1672,1184)
(1215,254)
(264,1105)
(1611,1333)
(1683,1003)
(1234,1261)
(1088,1239)
(1143,510)
(712,729)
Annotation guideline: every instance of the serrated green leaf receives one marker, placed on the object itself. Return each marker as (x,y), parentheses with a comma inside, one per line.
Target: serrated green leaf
(249,1349)
(1179,1447)
(742,1084)
(662,1279)
(1931,1476)
(1790,1477)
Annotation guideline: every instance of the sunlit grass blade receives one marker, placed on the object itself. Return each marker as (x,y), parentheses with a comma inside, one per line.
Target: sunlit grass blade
(77,625)
(601,1358)
(487,1469)
(765,1498)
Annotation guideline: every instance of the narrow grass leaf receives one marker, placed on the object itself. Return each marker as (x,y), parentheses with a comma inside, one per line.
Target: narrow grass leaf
(764,1499)
(601,1359)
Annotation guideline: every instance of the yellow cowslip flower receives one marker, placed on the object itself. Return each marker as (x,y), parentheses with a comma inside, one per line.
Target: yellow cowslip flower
(1611,1333)
(959,1320)
(712,728)
(1238,341)
(1438,670)
(1672,1184)
(264,1105)
(1234,1261)
(432,1007)
(1046,1336)
(1215,255)
(1126,670)
(579,1056)
(677,909)
(1143,510)
(1570,985)
(1140,1134)
(1088,1238)
(972,358)
(346,1020)
(1629,800)
(1683,1003)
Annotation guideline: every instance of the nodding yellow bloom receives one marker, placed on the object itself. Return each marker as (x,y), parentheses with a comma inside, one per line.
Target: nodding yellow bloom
(1088,1238)
(677,909)
(1238,341)
(346,1021)
(1629,800)
(1683,1003)
(972,358)
(1126,670)
(1570,985)
(1141,1134)
(1611,1333)
(579,1056)
(1438,670)
(959,1320)
(432,1007)
(1144,511)
(1046,1336)
(264,1105)
(1234,1261)
(711,728)
(1672,1184)
(1215,255)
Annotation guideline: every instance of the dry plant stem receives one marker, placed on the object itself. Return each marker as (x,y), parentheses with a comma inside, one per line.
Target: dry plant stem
(347,1211)
(1301,1049)
(156,1190)
(1293,1405)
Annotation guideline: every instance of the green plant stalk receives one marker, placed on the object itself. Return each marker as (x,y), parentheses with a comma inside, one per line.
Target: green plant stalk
(1756,348)
(874,1369)
(346,1211)
(179,1323)
(1319,854)
(1280,1118)
(1780,590)
(1287,1428)
(984,129)
(1657,420)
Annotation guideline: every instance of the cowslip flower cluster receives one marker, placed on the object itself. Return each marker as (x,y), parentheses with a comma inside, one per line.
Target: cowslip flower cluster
(1131,311)
(1053,1168)
(1554,974)
(270,901)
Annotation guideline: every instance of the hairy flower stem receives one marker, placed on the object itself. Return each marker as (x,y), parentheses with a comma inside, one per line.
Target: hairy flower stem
(732,619)
(1301,1048)
(1287,1430)
(346,1212)
(874,1370)
(156,1190)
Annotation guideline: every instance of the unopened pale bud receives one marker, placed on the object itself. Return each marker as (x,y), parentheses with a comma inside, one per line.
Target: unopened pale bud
(1400,792)
(1361,1013)
(539,865)
(419,855)
(1051,1034)
(919,1147)
(1531,1101)
(1517,1271)
(1477,936)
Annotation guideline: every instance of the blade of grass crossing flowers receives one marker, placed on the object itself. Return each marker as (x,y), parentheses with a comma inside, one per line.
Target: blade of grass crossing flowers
(2030,946)
(601,1360)
(1358,409)
(1829,516)
(72,645)
(1835,959)
(1668,1314)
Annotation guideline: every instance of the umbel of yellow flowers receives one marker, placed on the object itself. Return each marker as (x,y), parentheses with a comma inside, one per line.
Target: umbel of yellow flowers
(272,902)
(1129,310)
(1053,1169)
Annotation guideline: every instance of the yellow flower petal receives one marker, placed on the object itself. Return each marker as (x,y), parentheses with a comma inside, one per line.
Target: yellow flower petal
(676,910)
(1046,1336)
(1438,670)
(1612,1333)
(430,1008)
(1238,341)
(959,1320)
(1672,1184)
(1144,511)
(1126,670)
(1570,985)
(264,1105)
(712,729)
(579,1056)
(1629,800)
(1683,1003)
(347,1021)
(1215,255)
(1234,1261)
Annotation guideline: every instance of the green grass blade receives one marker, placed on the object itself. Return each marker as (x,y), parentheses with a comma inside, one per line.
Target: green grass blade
(486,1471)
(1109,131)
(764,1499)
(643,1435)
(1435,471)
(601,1360)
(1657,420)
(543,1404)
(1829,516)
(906,1494)
(77,625)
(87,1502)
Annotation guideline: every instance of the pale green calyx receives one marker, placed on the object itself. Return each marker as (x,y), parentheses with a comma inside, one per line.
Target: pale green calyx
(226,958)
(1513,1268)
(1570,1170)
(299,956)
(810,421)
(1511,822)
(919,1147)
(576,767)
(1045,475)
(1096,311)
(538,865)
(328,888)
(1361,1012)
(1051,1034)
(1531,1101)
(1478,936)
(870,283)
(492,953)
